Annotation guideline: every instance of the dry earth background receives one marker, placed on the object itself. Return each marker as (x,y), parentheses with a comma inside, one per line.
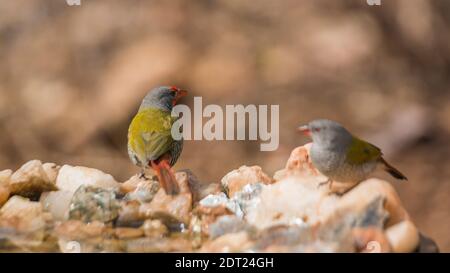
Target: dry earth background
(71,79)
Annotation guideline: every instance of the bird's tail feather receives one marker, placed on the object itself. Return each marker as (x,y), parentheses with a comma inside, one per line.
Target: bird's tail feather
(166,177)
(393,171)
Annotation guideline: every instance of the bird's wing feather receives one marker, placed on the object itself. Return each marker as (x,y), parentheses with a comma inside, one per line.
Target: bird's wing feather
(149,134)
(360,152)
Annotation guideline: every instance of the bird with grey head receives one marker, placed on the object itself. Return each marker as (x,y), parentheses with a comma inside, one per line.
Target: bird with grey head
(341,156)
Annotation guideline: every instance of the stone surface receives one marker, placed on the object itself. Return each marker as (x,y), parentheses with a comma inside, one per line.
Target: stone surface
(129,215)
(150,244)
(155,228)
(176,206)
(131,184)
(299,163)
(91,212)
(370,240)
(57,203)
(221,200)
(5,176)
(22,221)
(68,181)
(51,170)
(94,204)
(403,237)
(235,180)
(4,194)
(75,236)
(144,191)
(71,178)
(285,202)
(31,180)
(227,224)
(373,187)
(128,233)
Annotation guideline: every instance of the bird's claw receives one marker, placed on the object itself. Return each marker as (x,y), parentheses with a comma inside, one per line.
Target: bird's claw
(329,182)
(142,175)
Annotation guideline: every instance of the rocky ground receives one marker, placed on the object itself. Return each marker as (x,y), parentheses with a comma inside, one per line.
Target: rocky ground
(49,208)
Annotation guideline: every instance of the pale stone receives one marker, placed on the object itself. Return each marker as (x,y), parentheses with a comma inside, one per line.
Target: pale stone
(143,192)
(290,201)
(370,240)
(74,236)
(31,180)
(235,180)
(129,215)
(155,228)
(71,178)
(57,203)
(131,184)
(227,224)
(178,206)
(4,194)
(205,216)
(25,219)
(52,170)
(222,200)
(403,237)
(5,176)
(372,187)
(299,163)
(77,230)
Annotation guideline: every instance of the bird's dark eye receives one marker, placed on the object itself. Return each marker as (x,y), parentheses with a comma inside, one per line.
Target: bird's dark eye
(316,129)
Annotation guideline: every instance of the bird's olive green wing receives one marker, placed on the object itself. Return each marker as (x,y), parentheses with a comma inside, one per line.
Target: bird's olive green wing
(360,152)
(149,135)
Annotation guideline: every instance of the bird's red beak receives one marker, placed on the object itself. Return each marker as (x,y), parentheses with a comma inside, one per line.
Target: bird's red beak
(304,130)
(179,93)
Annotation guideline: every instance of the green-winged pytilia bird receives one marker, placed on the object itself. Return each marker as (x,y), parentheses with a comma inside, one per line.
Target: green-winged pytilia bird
(150,142)
(342,157)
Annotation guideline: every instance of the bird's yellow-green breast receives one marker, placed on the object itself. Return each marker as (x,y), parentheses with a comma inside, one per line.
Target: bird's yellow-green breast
(149,134)
(360,152)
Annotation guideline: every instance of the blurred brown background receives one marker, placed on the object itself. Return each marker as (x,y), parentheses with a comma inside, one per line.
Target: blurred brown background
(72,77)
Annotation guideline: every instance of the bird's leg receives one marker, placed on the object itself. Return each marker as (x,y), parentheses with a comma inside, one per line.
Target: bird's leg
(142,174)
(329,182)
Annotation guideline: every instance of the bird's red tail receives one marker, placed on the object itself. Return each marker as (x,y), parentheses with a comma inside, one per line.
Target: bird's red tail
(166,177)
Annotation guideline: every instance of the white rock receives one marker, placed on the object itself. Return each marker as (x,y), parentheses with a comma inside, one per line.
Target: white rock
(57,203)
(290,201)
(403,237)
(71,178)
(214,200)
(68,181)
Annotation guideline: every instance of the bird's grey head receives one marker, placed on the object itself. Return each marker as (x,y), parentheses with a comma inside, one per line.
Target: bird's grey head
(163,97)
(327,133)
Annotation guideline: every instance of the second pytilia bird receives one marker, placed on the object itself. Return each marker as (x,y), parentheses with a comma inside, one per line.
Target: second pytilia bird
(150,142)
(342,157)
